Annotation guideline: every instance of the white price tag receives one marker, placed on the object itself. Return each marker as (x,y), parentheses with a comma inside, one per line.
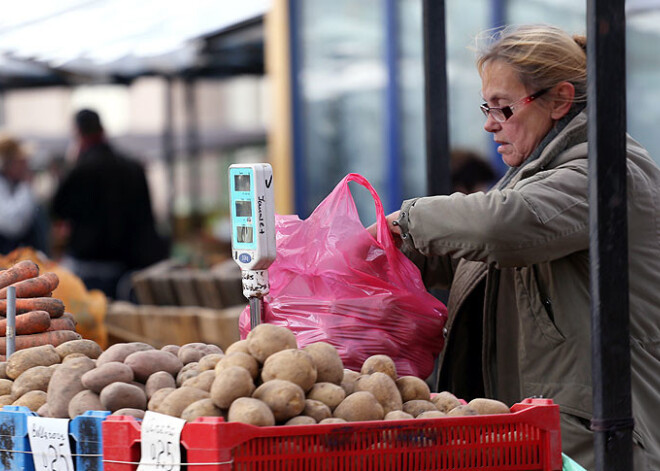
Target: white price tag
(161,438)
(49,441)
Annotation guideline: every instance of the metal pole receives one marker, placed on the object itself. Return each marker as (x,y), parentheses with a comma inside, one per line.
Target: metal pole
(168,151)
(192,142)
(11,321)
(392,121)
(438,179)
(606,64)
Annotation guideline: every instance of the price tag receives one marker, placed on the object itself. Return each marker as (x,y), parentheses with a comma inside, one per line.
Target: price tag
(160,436)
(49,440)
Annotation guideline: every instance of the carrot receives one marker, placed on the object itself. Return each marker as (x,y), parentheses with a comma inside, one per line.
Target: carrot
(34,287)
(23,270)
(31,322)
(54,338)
(62,323)
(53,306)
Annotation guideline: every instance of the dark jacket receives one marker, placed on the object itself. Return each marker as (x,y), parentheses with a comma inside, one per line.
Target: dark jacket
(106,199)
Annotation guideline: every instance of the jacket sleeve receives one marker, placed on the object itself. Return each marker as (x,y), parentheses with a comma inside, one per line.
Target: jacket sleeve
(542,218)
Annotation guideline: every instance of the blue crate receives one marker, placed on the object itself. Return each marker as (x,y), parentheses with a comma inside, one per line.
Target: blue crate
(86,431)
(14,440)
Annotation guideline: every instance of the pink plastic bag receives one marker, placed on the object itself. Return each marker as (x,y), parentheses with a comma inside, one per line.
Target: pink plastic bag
(332,282)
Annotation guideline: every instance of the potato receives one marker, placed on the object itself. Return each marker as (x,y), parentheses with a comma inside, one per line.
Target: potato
(485,406)
(195,352)
(285,399)
(300,420)
(201,408)
(159,380)
(208,362)
(383,388)
(317,410)
(238,346)
(359,406)
(266,339)
(6,400)
(398,415)
(461,410)
(88,348)
(243,360)
(117,396)
(119,352)
(416,407)
(328,393)
(445,401)
(230,384)
(108,373)
(157,398)
(137,413)
(73,355)
(176,401)
(431,414)
(33,400)
(188,371)
(202,381)
(291,365)
(333,420)
(329,367)
(84,401)
(348,381)
(379,364)
(23,360)
(34,379)
(147,362)
(6,385)
(173,349)
(3,370)
(65,383)
(43,410)
(251,411)
(412,387)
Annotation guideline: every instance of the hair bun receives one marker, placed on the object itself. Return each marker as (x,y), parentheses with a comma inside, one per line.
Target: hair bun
(581,41)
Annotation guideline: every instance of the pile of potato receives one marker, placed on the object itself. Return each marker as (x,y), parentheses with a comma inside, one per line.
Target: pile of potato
(262,380)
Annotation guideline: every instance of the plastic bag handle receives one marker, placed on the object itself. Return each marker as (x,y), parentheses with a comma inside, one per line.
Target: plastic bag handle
(383,234)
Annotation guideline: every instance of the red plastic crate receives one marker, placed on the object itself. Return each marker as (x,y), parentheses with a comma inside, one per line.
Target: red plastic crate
(527,439)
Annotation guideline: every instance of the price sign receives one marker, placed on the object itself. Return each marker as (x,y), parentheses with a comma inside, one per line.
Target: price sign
(160,436)
(49,440)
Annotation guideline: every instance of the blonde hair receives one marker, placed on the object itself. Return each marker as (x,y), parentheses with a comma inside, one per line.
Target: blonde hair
(542,56)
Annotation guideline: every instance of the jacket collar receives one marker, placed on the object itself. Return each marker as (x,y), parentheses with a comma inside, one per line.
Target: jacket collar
(569,131)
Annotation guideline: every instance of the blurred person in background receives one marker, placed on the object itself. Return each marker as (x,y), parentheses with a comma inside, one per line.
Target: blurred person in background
(470,172)
(22,221)
(102,210)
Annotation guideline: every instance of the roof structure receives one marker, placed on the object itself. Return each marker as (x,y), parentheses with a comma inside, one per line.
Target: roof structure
(73,41)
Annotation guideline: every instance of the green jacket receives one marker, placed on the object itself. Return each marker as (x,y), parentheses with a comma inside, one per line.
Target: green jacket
(516,261)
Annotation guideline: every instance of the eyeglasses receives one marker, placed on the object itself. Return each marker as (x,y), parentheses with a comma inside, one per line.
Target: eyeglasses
(502,113)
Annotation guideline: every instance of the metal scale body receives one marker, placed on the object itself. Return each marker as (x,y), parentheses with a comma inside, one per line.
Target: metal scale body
(252,211)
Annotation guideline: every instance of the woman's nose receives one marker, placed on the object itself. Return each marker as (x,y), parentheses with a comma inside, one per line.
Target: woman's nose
(491,125)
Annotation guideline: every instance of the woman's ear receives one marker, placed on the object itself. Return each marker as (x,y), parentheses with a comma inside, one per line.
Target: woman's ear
(562,100)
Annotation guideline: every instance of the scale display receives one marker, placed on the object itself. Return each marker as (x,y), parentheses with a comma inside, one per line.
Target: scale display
(252,215)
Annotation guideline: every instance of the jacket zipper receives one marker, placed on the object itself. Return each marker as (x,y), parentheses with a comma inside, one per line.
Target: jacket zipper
(488,353)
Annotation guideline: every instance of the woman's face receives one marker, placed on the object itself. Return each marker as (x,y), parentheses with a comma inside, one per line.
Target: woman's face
(518,136)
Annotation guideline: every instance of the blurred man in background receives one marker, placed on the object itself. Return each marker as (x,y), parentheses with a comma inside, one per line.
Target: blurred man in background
(103,209)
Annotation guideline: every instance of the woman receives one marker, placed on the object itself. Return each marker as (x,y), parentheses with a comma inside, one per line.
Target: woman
(516,259)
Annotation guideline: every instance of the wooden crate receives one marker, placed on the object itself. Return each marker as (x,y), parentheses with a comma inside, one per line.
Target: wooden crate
(172,325)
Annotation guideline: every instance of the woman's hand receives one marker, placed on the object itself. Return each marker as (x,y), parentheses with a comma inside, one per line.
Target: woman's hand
(394,228)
